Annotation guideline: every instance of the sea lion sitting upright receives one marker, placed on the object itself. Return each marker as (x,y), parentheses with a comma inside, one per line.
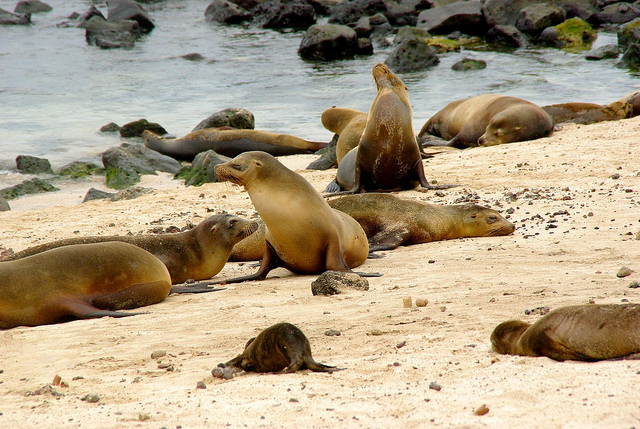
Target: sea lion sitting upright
(348,124)
(282,346)
(80,281)
(229,142)
(487,120)
(390,222)
(388,157)
(578,332)
(303,234)
(197,254)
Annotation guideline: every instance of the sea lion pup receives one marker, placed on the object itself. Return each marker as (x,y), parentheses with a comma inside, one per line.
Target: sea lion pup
(303,234)
(390,222)
(388,157)
(197,254)
(282,346)
(487,120)
(348,124)
(578,332)
(80,281)
(229,142)
(588,113)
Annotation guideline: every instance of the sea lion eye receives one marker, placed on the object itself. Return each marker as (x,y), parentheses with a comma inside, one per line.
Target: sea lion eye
(492,219)
(238,167)
(232,223)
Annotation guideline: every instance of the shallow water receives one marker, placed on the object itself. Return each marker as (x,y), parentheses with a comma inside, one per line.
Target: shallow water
(56,91)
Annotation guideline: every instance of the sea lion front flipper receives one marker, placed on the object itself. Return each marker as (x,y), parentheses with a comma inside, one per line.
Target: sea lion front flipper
(83,310)
(333,187)
(389,239)
(269,261)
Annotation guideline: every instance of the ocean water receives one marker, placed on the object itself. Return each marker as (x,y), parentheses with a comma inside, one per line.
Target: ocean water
(56,91)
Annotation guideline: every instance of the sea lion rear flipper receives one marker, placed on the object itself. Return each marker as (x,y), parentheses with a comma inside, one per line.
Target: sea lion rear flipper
(201,287)
(333,187)
(320,367)
(83,310)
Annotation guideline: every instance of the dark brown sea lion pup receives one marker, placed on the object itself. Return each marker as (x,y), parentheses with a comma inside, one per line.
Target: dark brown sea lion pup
(303,234)
(390,222)
(80,281)
(197,254)
(229,142)
(348,124)
(578,332)
(282,346)
(388,156)
(487,120)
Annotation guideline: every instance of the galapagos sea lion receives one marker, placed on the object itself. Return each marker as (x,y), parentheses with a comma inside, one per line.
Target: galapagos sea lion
(578,332)
(80,281)
(388,157)
(348,124)
(303,234)
(229,142)
(587,113)
(487,120)
(390,222)
(197,254)
(282,346)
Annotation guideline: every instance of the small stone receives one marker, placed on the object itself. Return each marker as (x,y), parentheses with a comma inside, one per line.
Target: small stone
(406,302)
(435,386)
(144,417)
(334,282)
(634,285)
(224,373)
(481,410)
(56,380)
(201,385)
(401,344)
(91,397)
(293,400)
(158,354)
(443,308)
(421,302)
(624,272)
(167,365)
(332,333)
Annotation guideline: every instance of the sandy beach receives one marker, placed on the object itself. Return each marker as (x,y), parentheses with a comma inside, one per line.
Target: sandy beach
(575,200)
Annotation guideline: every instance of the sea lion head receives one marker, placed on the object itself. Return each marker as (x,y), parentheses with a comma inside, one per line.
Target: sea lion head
(385,79)
(518,123)
(224,228)
(245,168)
(480,221)
(505,336)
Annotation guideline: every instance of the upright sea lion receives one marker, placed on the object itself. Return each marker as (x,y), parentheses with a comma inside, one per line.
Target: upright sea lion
(303,234)
(388,157)
(578,332)
(487,120)
(390,222)
(349,124)
(80,281)
(282,346)
(229,142)
(198,254)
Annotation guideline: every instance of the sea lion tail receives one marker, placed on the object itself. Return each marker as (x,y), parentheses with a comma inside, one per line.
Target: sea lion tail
(320,367)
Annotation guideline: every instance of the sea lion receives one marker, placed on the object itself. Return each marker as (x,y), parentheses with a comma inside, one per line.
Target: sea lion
(348,124)
(229,142)
(197,254)
(578,332)
(587,113)
(282,346)
(390,222)
(303,234)
(388,156)
(487,120)
(80,281)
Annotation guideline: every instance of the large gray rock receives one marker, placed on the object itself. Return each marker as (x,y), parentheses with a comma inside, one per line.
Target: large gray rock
(202,169)
(462,16)
(125,164)
(136,128)
(277,14)
(4,205)
(119,10)
(226,12)
(238,118)
(350,11)
(505,12)
(111,35)
(631,58)
(603,53)
(8,18)
(32,165)
(336,282)
(32,6)
(412,54)
(33,186)
(87,15)
(617,13)
(506,35)
(629,33)
(328,42)
(535,18)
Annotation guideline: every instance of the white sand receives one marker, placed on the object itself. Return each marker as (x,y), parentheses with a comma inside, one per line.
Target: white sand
(471,284)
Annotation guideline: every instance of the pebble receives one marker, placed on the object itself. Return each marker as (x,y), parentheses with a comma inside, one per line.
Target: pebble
(421,302)
(481,410)
(624,272)
(158,354)
(435,386)
(224,373)
(538,310)
(332,333)
(406,302)
(201,385)
(401,344)
(91,397)
(634,285)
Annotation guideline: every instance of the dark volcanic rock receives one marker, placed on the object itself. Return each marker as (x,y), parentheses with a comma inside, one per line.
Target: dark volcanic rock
(460,16)
(96,194)
(125,164)
(4,205)
(328,42)
(505,12)
(202,169)
(32,165)
(33,186)
(111,35)
(603,53)
(350,11)
(111,127)
(368,25)
(32,6)
(226,12)
(277,14)
(412,54)
(469,64)
(120,10)
(136,128)
(629,33)
(506,35)
(335,282)
(8,18)
(78,169)
(90,13)
(535,18)
(573,33)
(235,117)
(617,13)
(631,58)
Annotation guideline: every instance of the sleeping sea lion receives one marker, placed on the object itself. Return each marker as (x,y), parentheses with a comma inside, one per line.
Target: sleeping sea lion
(80,281)
(303,234)
(348,124)
(587,113)
(487,120)
(282,346)
(197,254)
(229,142)
(578,332)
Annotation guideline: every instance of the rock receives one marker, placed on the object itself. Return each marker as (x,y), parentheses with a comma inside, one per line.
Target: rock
(368,25)
(469,64)
(435,386)
(535,18)
(32,6)
(91,397)
(193,56)
(96,194)
(574,33)
(335,282)
(481,410)
(33,186)
(443,44)
(226,12)
(332,333)
(136,128)
(350,11)
(407,302)
(328,157)
(460,16)
(8,18)
(538,310)
(201,385)
(90,13)
(624,272)
(634,285)
(111,127)
(32,165)
(224,373)
(111,35)
(631,58)
(409,33)
(277,14)
(421,302)
(506,35)
(78,169)
(131,193)
(412,54)
(125,164)
(505,12)
(241,119)
(158,354)
(617,13)
(629,34)
(129,10)
(365,47)
(603,53)
(328,42)
(201,170)
(4,205)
